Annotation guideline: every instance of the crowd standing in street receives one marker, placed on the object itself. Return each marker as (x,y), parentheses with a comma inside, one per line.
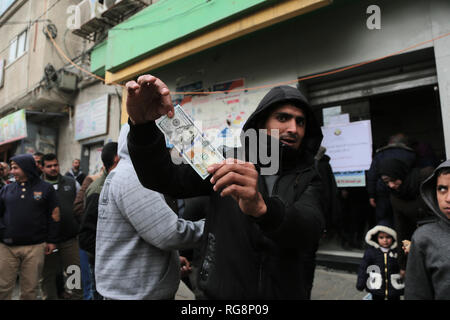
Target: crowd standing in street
(131,228)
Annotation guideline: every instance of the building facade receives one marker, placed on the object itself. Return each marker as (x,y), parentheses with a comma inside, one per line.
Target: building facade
(385,63)
(42,83)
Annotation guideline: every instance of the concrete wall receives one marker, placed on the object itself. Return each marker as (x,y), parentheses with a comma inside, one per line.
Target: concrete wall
(440,24)
(69,148)
(334,37)
(24,74)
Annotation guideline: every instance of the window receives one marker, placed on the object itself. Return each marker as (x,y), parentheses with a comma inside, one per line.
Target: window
(4,5)
(18,46)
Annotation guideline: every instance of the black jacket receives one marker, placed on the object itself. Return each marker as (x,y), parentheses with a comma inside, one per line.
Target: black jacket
(26,208)
(375,186)
(246,257)
(88,227)
(379,272)
(80,176)
(66,195)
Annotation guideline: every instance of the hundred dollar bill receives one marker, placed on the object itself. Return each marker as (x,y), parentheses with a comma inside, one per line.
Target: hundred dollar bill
(189,141)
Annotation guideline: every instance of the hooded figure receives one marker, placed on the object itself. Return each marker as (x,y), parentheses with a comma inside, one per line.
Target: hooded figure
(408,206)
(247,257)
(378,272)
(29,228)
(26,208)
(28,165)
(428,268)
(138,236)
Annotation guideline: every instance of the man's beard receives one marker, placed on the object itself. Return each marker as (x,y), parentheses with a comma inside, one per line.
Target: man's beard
(50,177)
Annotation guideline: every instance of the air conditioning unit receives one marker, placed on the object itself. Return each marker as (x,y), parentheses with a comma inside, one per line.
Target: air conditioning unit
(90,9)
(67,81)
(109,3)
(84,9)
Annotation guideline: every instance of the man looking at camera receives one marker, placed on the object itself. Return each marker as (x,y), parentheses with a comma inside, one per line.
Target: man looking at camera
(261,231)
(68,250)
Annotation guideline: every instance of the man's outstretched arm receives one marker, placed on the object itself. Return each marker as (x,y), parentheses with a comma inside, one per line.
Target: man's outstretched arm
(149,99)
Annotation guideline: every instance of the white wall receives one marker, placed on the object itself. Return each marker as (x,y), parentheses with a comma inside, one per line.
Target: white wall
(334,37)
(68,147)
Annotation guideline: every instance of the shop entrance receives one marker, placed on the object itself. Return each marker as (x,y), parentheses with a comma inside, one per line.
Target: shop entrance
(414,112)
(400,99)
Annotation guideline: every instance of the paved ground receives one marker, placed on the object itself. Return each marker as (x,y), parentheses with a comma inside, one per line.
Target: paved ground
(328,285)
(335,285)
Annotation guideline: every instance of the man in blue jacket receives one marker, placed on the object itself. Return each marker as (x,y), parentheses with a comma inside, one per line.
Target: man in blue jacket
(29,227)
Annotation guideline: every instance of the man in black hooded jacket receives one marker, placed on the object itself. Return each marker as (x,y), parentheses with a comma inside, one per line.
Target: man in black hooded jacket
(29,227)
(261,231)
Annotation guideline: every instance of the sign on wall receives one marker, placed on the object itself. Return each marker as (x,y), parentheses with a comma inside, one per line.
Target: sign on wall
(349,146)
(13,127)
(222,116)
(91,118)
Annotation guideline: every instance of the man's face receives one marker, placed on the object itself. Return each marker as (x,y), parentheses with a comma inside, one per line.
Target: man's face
(18,173)
(51,168)
(443,193)
(37,159)
(291,123)
(76,164)
(391,182)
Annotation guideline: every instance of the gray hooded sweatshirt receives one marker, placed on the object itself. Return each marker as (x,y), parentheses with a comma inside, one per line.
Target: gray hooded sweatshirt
(428,267)
(138,236)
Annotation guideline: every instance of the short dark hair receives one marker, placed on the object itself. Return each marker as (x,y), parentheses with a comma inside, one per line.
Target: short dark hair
(48,157)
(109,152)
(39,154)
(441,171)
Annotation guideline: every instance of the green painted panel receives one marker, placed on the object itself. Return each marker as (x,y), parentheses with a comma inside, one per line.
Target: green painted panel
(98,59)
(165,22)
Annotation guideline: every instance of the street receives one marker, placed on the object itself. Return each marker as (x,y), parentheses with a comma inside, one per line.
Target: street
(328,285)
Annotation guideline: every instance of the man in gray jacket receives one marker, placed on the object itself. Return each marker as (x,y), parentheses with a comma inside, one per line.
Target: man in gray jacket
(428,267)
(138,236)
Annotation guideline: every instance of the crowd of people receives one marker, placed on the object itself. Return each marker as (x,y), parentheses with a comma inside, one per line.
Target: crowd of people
(145,222)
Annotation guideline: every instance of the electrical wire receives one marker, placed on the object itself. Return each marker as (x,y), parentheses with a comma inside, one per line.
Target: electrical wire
(268,85)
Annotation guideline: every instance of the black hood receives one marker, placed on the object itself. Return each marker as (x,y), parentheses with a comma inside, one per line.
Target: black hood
(28,165)
(428,192)
(286,94)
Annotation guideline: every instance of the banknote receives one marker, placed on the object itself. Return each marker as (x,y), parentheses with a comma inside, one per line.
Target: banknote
(181,131)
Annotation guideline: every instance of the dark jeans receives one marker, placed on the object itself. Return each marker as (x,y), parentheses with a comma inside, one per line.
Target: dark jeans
(94,293)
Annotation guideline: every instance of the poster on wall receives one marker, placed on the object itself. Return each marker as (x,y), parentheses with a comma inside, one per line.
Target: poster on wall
(91,118)
(221,116)
(13,127)
(40,139)
(349,146)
